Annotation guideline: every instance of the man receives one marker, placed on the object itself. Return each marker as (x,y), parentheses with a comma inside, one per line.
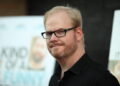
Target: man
(65,41)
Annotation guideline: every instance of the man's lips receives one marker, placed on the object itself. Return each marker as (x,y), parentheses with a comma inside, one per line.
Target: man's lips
(54,45)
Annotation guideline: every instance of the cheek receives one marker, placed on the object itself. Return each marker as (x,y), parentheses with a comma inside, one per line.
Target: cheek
(47,45)
(71,38)
(47,42)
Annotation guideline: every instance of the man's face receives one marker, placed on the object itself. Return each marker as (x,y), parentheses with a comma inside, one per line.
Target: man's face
(64,46)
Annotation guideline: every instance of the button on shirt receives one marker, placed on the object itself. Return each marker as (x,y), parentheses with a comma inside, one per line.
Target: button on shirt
(84,73)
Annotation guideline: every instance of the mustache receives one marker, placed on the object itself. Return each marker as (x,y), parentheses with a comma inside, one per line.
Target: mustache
(55,44)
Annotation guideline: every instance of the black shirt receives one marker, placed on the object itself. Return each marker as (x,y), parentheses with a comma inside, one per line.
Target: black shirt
(84,73)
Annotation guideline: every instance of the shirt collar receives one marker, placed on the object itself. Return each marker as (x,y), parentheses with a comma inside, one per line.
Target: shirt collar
(80,64)
(76,68)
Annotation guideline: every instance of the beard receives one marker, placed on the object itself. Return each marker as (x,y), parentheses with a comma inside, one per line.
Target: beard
(62,50)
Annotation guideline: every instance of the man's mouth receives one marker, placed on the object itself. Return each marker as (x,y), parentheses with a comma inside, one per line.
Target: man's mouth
(54,45)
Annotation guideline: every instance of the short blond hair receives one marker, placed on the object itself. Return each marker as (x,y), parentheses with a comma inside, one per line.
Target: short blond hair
(73,13)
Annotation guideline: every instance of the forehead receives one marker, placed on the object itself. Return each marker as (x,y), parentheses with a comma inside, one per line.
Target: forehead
(58,20)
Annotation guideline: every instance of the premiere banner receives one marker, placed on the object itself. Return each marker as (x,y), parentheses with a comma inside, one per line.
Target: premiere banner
(114,55)
(24,59)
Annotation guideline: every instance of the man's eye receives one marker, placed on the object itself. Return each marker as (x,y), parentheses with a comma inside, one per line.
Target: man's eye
(60,32)
(48,33)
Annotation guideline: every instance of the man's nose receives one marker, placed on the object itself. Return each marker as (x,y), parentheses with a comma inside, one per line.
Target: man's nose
(53,37)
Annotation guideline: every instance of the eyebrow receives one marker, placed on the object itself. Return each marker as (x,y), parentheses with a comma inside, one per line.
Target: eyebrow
(56,30)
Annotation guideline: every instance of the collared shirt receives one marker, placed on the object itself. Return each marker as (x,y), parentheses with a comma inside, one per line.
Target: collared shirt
(84,73)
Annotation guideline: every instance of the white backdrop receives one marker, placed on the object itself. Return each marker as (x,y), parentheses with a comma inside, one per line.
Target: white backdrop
(16,35)
(114,55)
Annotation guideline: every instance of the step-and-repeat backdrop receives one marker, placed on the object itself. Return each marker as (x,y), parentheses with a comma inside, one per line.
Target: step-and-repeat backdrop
(114,55)
(24,59)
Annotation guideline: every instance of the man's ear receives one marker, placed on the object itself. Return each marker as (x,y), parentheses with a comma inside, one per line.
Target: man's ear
(79,33)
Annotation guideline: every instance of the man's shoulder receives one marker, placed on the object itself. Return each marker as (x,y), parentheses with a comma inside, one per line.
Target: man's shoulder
(87,65)
(96,68)
(99,73)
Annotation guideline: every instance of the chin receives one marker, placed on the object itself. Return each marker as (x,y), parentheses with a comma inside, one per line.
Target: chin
(56,53)
(57,56)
